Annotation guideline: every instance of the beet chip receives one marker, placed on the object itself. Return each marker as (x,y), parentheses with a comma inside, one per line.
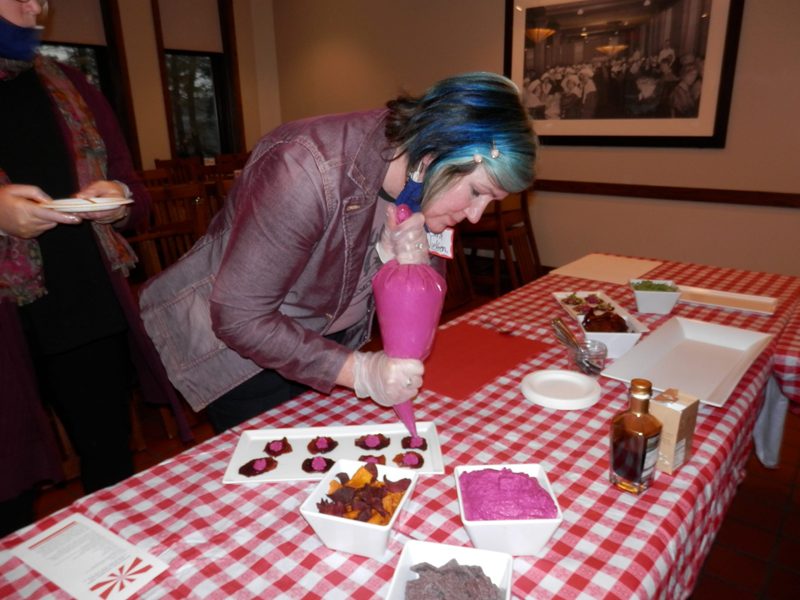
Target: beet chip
(363,497)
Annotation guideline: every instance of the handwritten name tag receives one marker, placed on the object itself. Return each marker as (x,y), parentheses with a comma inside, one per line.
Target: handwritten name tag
(441,244)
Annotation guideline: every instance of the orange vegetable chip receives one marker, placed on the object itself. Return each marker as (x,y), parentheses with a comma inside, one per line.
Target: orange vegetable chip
(360,478)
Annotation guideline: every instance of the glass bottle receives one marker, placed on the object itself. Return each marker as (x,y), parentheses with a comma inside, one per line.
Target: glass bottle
(635,435)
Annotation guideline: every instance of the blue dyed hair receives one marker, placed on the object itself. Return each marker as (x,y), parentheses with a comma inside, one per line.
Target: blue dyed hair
(461,122)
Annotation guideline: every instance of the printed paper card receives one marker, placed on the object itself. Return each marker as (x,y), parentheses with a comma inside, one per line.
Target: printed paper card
(88,561)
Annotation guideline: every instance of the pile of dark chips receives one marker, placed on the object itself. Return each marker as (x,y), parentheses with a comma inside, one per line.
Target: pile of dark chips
(451,581)
(362,497)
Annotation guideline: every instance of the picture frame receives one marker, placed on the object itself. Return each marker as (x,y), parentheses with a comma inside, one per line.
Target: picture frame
(661,71)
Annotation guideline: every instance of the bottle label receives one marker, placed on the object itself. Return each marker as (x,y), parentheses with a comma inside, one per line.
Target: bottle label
(650,457)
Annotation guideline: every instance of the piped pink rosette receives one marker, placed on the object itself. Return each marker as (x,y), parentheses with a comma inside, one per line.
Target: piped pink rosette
(408,300)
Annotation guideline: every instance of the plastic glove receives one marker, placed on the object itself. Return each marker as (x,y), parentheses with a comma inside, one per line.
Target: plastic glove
(386,380)
(407,241)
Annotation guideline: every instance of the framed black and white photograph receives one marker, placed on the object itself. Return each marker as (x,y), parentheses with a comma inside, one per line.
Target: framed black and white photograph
(625,72)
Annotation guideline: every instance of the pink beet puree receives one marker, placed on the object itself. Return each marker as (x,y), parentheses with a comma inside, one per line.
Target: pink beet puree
(502,494)
(410,459)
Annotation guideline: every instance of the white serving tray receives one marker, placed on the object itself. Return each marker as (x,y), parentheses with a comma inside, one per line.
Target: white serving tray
(703,359)
(765,305)
(497,566)
(251,445)
(617,343)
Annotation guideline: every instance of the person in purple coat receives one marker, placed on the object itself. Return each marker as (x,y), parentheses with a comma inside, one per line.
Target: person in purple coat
(276,297)
(66,312)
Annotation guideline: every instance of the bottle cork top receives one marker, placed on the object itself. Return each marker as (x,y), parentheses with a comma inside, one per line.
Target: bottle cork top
(641,386)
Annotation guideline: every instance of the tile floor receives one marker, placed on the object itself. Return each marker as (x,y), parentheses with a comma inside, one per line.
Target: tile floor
(756,553)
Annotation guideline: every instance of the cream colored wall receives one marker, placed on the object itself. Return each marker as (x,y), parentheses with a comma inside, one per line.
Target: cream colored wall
(353,54)
(306,57)
(762,153)
(356,54)
(145,79)
(75,22)
(255,36)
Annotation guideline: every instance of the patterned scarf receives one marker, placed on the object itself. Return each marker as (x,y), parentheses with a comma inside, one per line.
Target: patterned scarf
(21,276)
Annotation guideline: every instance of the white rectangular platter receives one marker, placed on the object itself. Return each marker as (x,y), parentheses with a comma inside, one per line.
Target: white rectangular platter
(703,359)
(617,343)
(251,445)
(757,304)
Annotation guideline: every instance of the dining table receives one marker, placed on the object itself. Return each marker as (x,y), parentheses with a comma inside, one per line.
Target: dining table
(230,540)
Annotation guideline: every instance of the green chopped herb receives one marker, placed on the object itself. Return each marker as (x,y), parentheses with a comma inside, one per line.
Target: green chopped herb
(651,286)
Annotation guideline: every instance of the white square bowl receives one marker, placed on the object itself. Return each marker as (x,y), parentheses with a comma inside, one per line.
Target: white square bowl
(350,535)
(498,566)
(519,537)
(616,343)
(656,302)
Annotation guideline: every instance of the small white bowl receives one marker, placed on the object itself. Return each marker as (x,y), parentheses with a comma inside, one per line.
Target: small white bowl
(519,537)
(497,566)
(350,535)
(656,302)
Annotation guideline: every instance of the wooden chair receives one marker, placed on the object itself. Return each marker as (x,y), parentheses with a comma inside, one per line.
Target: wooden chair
(181,170)
(460,293)
(179,219)
(154,177)
(506,233)
(216,199)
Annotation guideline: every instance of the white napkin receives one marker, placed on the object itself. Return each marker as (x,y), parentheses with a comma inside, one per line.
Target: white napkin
(603,267)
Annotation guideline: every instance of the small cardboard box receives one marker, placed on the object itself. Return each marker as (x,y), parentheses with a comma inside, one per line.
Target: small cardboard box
(678,414)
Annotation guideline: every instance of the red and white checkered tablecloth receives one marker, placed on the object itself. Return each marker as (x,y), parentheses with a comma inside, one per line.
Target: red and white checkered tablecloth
(243,541)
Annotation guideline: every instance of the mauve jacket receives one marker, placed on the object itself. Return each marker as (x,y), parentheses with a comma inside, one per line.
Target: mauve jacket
(278,265)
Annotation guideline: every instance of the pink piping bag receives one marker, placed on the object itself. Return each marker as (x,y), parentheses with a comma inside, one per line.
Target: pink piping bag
(408,300)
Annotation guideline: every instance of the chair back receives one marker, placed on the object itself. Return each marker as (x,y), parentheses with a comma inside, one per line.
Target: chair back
(179,218)
(506,232)
(154,177)
(181,170)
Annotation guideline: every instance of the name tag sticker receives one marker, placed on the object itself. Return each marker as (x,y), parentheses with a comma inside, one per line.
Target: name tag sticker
(441,244)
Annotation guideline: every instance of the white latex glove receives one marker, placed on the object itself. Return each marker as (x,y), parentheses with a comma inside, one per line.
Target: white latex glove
(388,381)
(407,241)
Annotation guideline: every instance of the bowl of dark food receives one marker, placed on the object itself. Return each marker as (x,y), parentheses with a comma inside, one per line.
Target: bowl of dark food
(603,320)
(657,296)
(507,508)
(428,571)
(355,506)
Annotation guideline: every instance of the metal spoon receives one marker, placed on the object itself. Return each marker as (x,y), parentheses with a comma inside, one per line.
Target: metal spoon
(566,337)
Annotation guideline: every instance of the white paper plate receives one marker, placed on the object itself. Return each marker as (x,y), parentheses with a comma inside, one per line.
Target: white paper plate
(703,359)
(497,566)
(560,389)
(68,205)
(251,445)
(764,305)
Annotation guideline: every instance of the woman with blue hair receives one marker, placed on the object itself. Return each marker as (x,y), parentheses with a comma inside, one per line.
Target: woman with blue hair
(276,297)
